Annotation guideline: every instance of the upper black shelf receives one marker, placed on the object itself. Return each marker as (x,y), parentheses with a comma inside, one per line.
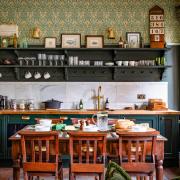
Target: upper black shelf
(106,47)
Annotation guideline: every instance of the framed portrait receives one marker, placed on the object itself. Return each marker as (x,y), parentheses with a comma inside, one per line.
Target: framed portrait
(70,40)
(94,41)
(50,42)
(133,39)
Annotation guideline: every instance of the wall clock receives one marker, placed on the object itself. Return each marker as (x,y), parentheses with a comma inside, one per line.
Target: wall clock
(156,24)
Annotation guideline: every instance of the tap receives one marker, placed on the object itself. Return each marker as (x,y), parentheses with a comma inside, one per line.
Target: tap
(99,97)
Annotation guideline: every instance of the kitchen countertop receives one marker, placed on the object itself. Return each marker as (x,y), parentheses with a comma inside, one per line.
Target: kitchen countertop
(71,111)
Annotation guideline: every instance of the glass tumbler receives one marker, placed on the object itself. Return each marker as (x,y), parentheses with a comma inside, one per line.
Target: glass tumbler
(39,56)
(50,59)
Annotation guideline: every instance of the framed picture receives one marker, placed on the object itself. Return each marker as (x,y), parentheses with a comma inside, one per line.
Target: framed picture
(94,41)
(133,39)
(50,42)
(70,40)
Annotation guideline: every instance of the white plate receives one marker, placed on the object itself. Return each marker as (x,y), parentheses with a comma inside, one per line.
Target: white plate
(91,127)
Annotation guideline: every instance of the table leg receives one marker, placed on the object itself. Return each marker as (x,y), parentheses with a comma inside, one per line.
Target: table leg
(16,169)
(159,169)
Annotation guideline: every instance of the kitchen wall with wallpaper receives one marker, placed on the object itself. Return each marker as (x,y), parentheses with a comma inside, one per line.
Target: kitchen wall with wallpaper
(54,17)
(120,94)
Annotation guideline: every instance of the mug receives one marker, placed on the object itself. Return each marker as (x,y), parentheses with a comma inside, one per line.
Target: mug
(119,63)
(102,120)
(37,75)
(28,75)
(125,63)
(131,63)
(47,75)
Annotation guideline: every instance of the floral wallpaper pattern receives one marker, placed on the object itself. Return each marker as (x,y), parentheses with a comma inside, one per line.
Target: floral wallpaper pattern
(54,17)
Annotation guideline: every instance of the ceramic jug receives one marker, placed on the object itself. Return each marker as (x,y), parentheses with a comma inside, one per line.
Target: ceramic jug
(102,120)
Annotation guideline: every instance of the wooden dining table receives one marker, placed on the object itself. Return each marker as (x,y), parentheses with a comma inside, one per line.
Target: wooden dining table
(112,150)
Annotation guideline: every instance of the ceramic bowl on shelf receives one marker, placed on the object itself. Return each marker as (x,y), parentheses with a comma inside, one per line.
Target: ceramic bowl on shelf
(109,64)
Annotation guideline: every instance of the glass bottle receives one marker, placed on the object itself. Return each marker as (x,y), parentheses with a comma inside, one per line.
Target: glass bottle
(15,41)
(121,43)
(80,104)
(141,43)
(107,104)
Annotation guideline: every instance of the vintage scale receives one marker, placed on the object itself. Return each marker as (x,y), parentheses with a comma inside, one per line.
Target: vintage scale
(156,20)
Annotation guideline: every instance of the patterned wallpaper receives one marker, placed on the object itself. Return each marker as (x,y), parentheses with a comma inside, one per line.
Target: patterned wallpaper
(54,17)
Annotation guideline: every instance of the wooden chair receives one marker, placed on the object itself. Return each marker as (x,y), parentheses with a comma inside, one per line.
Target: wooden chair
(40,151)
(137,152)
(54,120)
(87,152)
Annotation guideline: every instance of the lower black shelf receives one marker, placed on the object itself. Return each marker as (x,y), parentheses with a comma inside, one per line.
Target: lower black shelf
(82,73)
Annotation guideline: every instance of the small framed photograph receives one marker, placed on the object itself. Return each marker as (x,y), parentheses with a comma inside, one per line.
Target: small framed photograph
(70,40)
(133,39)
(50,42)
(94,41)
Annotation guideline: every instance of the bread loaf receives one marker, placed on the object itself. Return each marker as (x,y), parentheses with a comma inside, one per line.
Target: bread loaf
(123,124)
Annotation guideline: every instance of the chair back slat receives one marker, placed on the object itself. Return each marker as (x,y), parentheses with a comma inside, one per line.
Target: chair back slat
(40,150)
(87,151)
(80,151)
(32,151)
(137,151)
(47,151)
(129,152)
(144,144)
(95,150)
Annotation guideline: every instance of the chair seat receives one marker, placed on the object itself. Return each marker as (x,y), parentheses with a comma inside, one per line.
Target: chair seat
(139,167)
(88,168)
(39,166)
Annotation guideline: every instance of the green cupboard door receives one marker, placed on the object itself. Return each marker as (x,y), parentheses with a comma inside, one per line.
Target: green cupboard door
(2,138)
(169,129)
(151,120)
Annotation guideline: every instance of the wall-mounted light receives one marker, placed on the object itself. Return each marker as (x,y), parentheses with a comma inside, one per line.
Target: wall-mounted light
(111,34)
(36,33)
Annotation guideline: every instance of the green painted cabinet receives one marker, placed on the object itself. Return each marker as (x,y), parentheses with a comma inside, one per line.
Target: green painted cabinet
(2,139)
(169,128)
(152,120)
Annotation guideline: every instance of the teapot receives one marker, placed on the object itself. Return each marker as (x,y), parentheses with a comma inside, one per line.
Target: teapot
(102,120)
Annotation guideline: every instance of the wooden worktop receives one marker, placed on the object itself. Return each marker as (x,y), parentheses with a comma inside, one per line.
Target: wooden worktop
(70,111)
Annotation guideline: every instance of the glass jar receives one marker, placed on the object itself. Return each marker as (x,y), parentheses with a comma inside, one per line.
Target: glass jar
(22,104)
(30,104)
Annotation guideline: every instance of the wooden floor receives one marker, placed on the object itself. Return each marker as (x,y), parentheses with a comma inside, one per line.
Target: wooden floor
(6,174)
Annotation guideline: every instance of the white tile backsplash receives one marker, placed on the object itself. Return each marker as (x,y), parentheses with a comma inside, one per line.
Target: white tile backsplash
(120,94)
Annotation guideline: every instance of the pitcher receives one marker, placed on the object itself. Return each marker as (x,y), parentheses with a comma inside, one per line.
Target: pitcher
(102,120)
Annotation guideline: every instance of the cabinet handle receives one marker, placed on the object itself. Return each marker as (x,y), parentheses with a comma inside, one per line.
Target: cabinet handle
(25,117)
(162,118)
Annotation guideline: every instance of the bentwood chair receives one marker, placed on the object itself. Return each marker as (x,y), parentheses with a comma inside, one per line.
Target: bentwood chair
(87,153)
(137,152)
(40,151)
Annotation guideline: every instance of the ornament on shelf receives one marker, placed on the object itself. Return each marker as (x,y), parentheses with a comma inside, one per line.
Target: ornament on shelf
(111,34)
(36,33)
(156,24)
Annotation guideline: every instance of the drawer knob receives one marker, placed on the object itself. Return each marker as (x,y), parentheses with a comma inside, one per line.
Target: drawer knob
(25,117)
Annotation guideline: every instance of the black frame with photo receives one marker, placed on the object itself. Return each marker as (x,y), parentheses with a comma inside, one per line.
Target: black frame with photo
(133,39)
(70,44)
(91,37)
